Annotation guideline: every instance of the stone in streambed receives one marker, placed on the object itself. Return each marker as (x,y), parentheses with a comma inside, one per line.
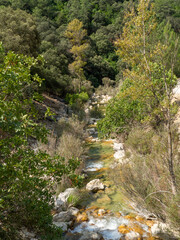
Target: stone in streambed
(123,229)
(82,217)
(132,236)
(95,185)
(66,216)
(91,236)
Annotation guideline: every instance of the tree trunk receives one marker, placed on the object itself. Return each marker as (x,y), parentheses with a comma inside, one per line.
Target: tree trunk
(170,154)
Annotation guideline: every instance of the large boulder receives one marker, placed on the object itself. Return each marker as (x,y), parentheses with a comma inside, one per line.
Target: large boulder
(66,216)
(62,199)
(95,185)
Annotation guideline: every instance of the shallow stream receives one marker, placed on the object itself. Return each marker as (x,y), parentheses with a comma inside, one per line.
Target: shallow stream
(109,211)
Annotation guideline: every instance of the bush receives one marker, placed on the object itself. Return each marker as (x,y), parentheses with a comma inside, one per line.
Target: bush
(140,141)
(26,193)
(77,98)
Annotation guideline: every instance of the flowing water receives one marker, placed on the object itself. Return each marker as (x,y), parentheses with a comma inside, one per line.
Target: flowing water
(109,212)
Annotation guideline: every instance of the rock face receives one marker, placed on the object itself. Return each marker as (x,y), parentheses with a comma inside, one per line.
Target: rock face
(95,185)
(61,201)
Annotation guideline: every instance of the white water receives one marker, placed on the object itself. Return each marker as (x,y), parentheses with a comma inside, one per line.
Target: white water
(107,226)
(93,166)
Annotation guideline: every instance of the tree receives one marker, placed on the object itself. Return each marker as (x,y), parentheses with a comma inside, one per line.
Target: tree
(26,177)
(148,82)
(18,31)
(75,33)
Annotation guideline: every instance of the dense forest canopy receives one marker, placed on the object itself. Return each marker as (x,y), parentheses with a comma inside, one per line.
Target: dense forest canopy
(47,21)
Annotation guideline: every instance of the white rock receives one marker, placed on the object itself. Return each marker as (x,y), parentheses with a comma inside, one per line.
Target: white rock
(64,216)
(95,185)
(118,146)
(74,211)
(119,154)
(132,236)
(62,198)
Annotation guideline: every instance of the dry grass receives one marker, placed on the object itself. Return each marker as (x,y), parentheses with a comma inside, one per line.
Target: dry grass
(146,177)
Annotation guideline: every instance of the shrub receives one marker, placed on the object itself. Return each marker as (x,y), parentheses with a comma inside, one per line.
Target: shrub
(26,193)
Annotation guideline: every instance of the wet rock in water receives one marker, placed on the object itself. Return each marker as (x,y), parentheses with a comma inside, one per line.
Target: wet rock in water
(132,236)
(101,212)
(82,217)
(136,228)
(95,185)
(91,236)
(123,229)
(61,201)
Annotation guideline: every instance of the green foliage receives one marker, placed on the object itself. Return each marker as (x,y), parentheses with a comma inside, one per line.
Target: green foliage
(146,92)
(26,177)
(170,11)
(77,98)
(121,114)
(75,33)
(103,21)
(18,31)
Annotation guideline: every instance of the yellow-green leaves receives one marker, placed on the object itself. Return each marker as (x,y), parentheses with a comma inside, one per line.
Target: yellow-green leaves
(75,33)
